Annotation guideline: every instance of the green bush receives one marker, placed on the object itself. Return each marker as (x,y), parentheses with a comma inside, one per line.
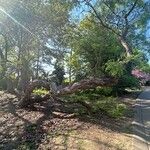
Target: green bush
(128,81)
(107,91)
(109,105)
(118,111)
(114,68)
(41,91)
(93,93)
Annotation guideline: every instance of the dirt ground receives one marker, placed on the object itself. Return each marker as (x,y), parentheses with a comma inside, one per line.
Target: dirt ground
(50,125)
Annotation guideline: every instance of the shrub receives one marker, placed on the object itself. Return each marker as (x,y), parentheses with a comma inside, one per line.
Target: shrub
(109,105)
(114,68)
(118,111)
(94,93)
(128,81)
(107,91)
(41,91)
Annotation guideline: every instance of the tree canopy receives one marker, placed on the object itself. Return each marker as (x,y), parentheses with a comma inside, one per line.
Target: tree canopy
(37,35)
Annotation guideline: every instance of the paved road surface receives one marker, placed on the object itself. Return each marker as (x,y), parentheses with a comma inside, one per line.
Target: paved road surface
(141,125)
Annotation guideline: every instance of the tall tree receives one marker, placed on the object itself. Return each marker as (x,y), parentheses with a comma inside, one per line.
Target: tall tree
(92,46)
(119,17)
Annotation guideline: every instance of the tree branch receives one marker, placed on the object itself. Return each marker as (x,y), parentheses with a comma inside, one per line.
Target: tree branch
(100,19)
(126,19)
(132,8)
(72,88)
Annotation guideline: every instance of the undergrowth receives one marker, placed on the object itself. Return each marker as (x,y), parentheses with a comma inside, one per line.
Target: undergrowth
(40,91)
(100,101)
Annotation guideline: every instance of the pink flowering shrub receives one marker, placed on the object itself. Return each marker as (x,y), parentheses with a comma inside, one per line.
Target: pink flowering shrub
(142,76)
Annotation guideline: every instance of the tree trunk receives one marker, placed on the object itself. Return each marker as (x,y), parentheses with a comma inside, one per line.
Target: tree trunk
(10,85)
(70,74)
(75,87)
(24,74)
(37,64)
(87,84)
(25,101)
(126,46)
(3,56)
(128,50)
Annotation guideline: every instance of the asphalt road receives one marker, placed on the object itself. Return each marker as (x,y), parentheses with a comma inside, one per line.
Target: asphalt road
(141,124)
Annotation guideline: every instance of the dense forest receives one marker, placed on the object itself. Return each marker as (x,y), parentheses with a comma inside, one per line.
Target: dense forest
(80,56)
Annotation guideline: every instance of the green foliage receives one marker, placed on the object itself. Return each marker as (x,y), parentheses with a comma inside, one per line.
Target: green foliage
(3,84)
(90,49)
(110,106)
(107,91)
(99,102)
(94,93)
(41,91)
(90,45)
(114,68)
(128,81)
(58,73)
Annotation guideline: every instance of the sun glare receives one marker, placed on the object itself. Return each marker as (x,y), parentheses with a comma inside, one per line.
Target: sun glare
(14,20)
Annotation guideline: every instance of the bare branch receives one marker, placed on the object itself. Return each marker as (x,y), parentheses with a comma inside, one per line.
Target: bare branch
(111,9)
(100,19)
(132,8)
(126,19)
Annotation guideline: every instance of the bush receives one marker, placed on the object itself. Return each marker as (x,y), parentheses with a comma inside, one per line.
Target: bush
(128,81)
(107,91)
(94,93)
(111,106)
(118,111)
(41,91)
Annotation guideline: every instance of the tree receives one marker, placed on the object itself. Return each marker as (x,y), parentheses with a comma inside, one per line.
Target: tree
(92,46)
(31,28)
(119,17)
(58,73)
(37,32)
(3,54)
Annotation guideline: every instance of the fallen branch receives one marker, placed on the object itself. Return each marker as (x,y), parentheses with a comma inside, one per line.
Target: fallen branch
(75,87)
(87,84)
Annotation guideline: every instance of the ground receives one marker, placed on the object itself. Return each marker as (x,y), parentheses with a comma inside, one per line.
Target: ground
(50,126)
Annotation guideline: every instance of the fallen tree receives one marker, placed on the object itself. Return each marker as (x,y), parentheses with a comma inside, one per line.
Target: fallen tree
(87,84)
(54,91)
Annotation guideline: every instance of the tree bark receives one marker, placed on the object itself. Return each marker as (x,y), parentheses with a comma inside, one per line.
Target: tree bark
(10,85)
(35,84)
(75,87)
(87,84)
(3,56)
(37,64)
(126,46)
